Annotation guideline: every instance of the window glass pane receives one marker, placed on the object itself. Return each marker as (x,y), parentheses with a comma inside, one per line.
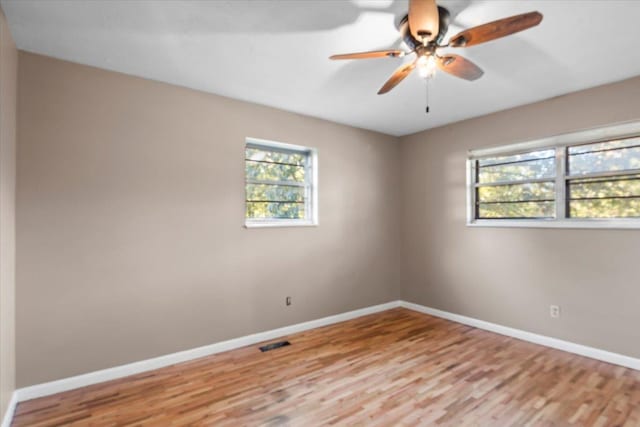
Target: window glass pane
(516,210)
(517,192)
(273,172)
(277,184)
(622,186)
(605,208)
(605,156)
(607,145)
(267,210)
(275,156)
(610,197)
(533,165)
(533,155)
(274,193)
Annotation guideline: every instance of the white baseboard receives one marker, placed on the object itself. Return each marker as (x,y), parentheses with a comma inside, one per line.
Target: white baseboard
(65,384)
(53,387)
(11,408)
(582,350)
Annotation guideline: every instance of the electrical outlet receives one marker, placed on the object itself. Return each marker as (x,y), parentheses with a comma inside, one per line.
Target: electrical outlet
(288,300)
(554,311)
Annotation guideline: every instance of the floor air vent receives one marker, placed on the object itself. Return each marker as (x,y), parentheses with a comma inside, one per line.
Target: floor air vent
(274,346)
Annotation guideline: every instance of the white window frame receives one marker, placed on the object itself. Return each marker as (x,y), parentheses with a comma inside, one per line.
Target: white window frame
(560,144)
(311,185)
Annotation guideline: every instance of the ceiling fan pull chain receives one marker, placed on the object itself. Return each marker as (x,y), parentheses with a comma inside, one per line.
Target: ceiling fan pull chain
(427,97)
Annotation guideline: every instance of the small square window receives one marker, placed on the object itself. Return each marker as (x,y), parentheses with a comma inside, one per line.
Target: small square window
(280,184)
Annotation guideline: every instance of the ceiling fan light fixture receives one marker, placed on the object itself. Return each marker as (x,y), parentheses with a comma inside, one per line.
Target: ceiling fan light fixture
(424,29)
(426,66)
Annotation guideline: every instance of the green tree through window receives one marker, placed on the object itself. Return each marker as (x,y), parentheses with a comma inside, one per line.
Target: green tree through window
(596,180)
(603,179)
(516,186)
(278,183)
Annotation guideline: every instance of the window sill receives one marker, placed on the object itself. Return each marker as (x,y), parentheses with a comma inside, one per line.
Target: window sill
(272,224)
(609,224)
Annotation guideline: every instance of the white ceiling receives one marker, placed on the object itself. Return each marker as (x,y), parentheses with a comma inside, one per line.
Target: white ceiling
(274,52)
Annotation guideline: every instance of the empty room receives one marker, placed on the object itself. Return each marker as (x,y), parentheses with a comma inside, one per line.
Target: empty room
(319,213)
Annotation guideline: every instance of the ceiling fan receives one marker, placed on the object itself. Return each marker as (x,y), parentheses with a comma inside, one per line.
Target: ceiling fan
(423,31)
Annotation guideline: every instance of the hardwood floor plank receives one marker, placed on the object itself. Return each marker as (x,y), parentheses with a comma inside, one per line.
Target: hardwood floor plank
(397,367)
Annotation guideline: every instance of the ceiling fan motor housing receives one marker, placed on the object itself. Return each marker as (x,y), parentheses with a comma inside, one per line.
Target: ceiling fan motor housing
(412,42)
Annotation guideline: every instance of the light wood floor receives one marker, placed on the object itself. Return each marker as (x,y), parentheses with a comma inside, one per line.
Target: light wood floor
(398,367)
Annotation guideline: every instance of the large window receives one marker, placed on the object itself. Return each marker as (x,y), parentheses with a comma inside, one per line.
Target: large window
(280,184)
(585,179)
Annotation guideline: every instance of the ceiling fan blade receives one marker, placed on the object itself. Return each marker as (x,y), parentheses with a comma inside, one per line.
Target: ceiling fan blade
(496,29)
(371,54)
(459,67)
(401,72)
(424,20)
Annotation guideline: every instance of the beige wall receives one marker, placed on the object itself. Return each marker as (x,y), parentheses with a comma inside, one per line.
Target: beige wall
(130,234)
(8,85)
(131,245)
(510,276)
